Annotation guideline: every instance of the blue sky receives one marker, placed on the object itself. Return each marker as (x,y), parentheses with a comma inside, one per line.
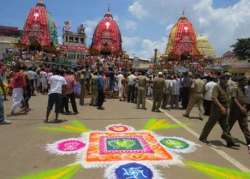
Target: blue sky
(145,24)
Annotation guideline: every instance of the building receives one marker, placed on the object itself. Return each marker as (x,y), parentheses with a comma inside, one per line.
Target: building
(107,37)
(74,43)
(182,43)
(205,48)
(9,38)
(40,32)
(142,64)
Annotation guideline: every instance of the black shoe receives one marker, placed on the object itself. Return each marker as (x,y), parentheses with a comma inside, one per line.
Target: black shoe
(67,113)
(5,122)
(187,116)
(204,141)
(232,144)
(223,136)
(201,119)
(100,108)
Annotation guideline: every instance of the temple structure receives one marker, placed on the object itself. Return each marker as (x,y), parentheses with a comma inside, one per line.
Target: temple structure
(39,29)
(182,41)
(74,43)
(107,37)
(9,39)
(205,48)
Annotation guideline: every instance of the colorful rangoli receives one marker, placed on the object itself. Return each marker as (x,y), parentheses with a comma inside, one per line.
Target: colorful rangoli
(126,153)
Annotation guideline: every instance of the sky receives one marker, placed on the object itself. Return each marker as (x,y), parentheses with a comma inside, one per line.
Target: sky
(144,24)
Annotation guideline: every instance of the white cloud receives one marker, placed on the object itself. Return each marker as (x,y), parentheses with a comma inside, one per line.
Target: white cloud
(60,40)
(130,43)
(90,26)
(137,10)
(130,25)
(142,47)
(222,25)
(169,27)
(116,18)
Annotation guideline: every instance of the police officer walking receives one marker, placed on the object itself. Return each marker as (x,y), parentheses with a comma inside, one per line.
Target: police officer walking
(196,98)
(141,96)
(219,112)
(158,88)
(238,110)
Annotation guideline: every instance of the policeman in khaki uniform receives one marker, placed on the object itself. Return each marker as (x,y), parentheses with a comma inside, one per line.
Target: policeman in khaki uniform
(158,88)
(219,112)
(94,90)
(232,84)
(142,86)
(196,97)
(238,111)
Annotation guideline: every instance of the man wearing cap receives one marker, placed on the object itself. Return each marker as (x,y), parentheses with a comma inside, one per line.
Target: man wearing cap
(158,88)
(219,112)
(141,96)
(238,109)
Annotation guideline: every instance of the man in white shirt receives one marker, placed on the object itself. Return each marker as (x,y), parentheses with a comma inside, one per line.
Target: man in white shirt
(120,77)
(166,93)
(131,87)
(57,82)
(32,76)
(44,81)
(208,95)
(175,92)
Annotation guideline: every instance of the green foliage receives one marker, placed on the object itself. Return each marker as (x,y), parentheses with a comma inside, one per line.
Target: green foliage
(242,49)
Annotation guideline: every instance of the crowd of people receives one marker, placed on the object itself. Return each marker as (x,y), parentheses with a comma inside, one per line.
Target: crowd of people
(225,99)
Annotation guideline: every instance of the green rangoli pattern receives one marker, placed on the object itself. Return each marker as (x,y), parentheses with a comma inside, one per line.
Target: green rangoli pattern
(123,144)
(174,143)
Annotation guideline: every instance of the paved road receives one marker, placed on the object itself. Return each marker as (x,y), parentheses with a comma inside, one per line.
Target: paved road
(23,143)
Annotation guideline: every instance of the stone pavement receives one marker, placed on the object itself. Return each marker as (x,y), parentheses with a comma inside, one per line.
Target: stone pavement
(23,143)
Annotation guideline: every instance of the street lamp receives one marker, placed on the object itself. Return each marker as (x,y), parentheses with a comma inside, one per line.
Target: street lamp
(155,56)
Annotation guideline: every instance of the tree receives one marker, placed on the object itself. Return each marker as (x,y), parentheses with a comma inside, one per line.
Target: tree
(242,48)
